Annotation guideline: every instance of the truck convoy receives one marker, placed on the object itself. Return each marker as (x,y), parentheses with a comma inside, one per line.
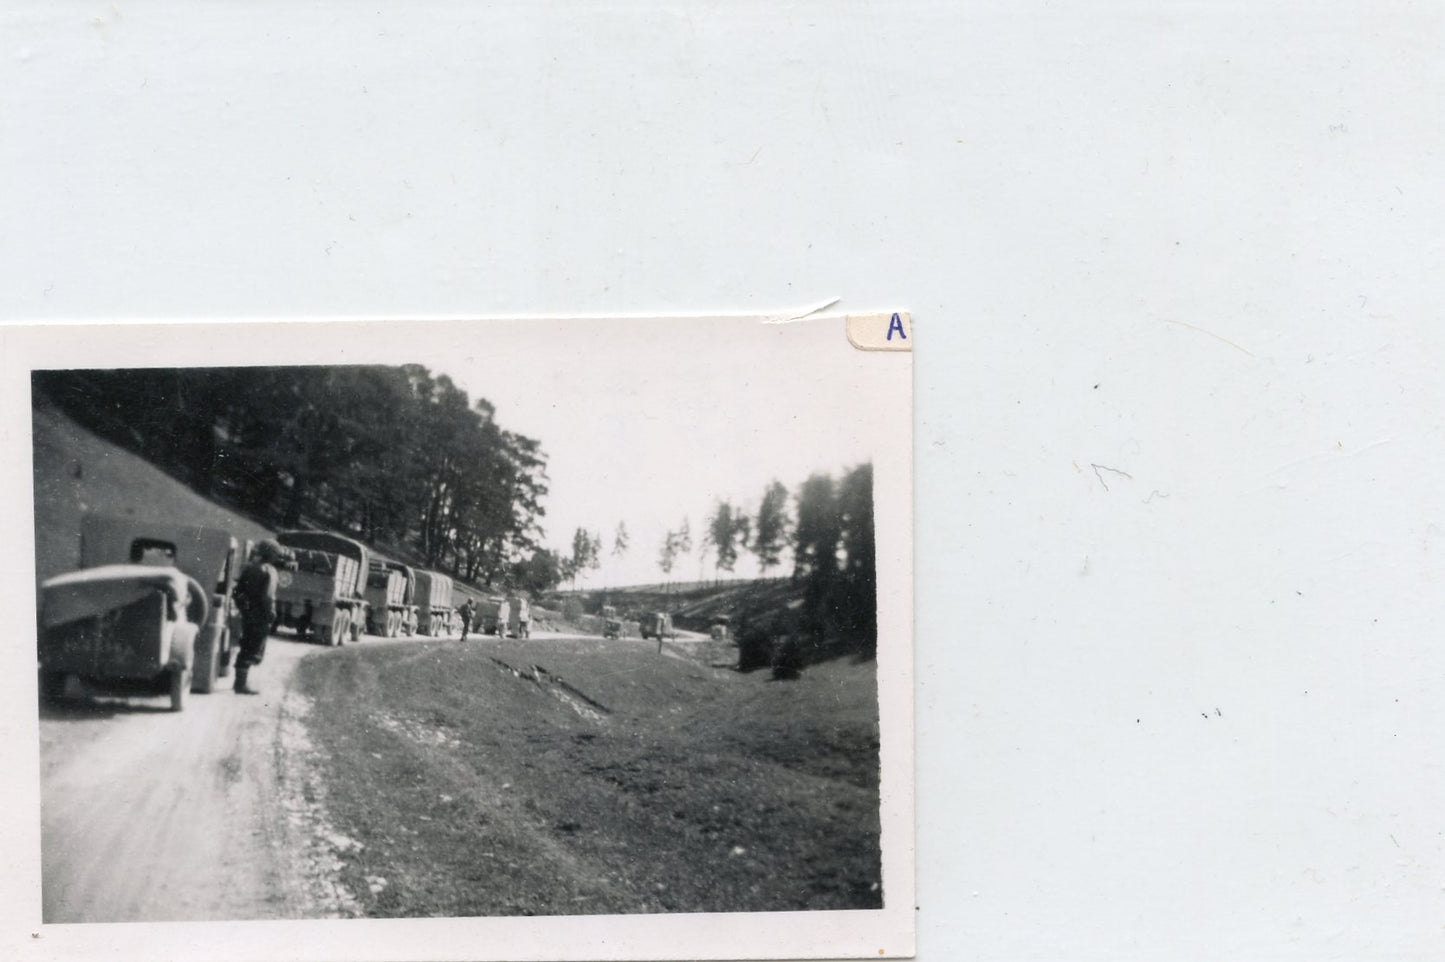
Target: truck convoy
(150,609)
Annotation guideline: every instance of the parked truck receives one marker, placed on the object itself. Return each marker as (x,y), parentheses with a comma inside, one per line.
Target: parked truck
(129,628)
(211,556)
(494,613)
(656,624)
(148,611)
(325,597)
(435,613)
(390,586)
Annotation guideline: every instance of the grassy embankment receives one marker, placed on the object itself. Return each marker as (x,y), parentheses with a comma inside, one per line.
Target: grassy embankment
(572,777)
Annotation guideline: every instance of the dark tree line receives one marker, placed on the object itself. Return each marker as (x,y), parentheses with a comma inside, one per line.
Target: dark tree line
(394,456)
(834,555)
(832,540)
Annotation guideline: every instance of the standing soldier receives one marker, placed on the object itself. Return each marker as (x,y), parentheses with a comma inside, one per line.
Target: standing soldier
(255,595)
(466,612)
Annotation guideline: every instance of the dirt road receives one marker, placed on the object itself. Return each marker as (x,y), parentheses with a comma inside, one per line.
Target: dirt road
(215,813)
(149,815)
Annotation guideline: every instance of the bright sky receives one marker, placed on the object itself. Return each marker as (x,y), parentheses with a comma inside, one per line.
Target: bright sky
(650,422)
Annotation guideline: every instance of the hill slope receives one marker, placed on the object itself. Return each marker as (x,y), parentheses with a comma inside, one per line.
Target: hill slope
(76,472)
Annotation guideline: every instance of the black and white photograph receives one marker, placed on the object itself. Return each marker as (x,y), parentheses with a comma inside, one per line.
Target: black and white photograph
(483,620)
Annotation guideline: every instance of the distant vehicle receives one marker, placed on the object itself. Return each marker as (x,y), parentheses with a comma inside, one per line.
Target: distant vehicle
(390,586)
(656,624)
(519,618)
(211,556)
(719,628)
(493,614)
(325,597)
(434,604)
(129,627)
(612,624)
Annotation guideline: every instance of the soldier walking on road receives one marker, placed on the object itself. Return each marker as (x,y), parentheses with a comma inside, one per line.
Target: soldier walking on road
(255,595)
(466,612)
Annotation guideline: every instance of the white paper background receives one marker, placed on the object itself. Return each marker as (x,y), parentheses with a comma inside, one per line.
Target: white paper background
(1207,725)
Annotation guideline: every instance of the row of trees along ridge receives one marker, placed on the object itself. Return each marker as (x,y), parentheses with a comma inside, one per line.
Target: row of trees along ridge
(829,532)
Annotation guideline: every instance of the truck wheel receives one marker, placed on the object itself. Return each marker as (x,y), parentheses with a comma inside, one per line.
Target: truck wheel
(207,665)
(323,634)
(180,684)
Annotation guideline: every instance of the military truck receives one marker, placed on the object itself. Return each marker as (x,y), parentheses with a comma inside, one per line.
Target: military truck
(130,628)
(434,614)
(493,613)
(324,599)
(656,624)
(210,556)
(390,587)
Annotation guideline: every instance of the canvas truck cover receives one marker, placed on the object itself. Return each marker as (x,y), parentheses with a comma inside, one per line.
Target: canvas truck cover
(385,585)
(423,595)
(433,590)
(408,596)
(319,573)
(338,545)
(202,553)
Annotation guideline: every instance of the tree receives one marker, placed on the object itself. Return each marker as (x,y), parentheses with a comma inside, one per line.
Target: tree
(667,557)
(816,540)
(770,532)
(540,572)
(859,574)
(684,538)
(620,540)
(586,547)
(726,532)
(567,571)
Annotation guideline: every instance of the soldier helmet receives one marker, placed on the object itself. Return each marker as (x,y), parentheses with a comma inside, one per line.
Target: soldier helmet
(270,551)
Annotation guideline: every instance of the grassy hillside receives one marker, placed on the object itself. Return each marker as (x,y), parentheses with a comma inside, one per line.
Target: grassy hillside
(579,777)
(75,472)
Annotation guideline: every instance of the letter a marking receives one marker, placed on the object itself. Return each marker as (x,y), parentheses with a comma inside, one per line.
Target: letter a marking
(896,324)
